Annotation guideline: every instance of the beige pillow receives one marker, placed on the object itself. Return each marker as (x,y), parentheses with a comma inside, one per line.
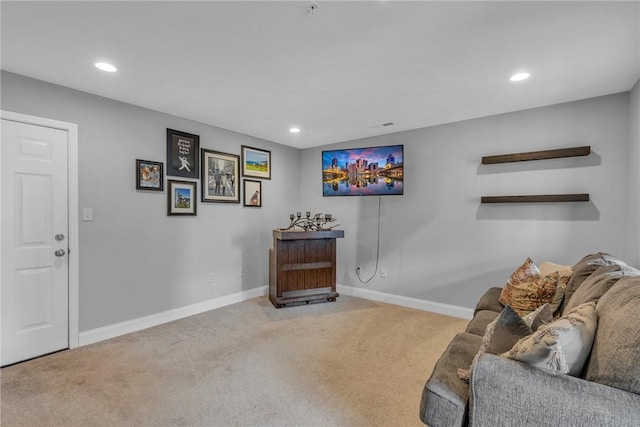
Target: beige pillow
(562,345)
(549,267)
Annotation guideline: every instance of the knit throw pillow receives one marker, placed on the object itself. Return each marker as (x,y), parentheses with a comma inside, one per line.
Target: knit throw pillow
(562,345)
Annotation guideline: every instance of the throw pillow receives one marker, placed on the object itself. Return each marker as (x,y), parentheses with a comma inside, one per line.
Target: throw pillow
(549,267)
(595,285)
(509,327)
(562,345)
(527,295)
(509,324)
(565,275)
(506,330)
(527,270)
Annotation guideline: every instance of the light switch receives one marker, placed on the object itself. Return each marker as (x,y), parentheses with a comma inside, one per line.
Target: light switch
(87,214)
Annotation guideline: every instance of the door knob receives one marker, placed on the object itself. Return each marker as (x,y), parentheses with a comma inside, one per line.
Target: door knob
(60,252)
(59,237)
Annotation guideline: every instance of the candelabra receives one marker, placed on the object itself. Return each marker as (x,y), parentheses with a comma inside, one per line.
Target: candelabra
(317,222)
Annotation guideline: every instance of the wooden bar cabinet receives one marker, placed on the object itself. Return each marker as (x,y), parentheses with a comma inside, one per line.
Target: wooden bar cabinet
(302,266)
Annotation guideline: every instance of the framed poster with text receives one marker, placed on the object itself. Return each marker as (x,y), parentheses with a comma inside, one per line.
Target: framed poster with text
(183,154)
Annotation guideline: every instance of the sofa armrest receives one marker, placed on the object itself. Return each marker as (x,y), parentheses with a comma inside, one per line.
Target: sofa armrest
(489,301)
(505,393)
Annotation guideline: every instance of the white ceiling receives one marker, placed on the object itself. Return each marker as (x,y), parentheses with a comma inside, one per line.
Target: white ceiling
(261,67)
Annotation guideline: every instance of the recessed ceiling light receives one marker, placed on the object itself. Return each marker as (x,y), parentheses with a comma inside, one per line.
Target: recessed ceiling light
(294,130)
(105,66)
(519,77)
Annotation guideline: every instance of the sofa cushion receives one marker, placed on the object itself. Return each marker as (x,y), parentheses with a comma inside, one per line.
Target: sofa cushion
(595,285)
(478,325)
(489,301)
(562,345)
(445,396)
(527,295)
(615,358)
(581,270)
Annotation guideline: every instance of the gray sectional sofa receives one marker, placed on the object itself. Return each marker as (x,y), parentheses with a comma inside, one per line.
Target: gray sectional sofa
(505,392)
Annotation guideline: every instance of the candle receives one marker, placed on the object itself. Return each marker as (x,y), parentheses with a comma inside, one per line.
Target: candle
(291,216)
(298,214)
(308,214)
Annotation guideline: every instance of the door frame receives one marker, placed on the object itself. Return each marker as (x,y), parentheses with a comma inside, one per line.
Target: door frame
(72,190)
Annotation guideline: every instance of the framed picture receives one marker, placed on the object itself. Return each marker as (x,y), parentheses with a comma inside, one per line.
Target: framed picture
(252,193)
(181,197)
(149,175)
(182,154)
(220,177)
(256,163)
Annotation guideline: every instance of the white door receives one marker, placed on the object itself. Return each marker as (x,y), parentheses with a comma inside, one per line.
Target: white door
(35,262)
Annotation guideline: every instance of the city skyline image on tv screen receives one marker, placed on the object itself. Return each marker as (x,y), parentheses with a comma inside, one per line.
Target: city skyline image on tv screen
(368,171)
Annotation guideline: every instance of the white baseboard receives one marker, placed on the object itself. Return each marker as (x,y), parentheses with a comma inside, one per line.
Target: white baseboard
(111,331)
(122,328)
(419,304)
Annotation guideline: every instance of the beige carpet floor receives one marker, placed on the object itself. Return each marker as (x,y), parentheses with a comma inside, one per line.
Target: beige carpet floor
(352,362)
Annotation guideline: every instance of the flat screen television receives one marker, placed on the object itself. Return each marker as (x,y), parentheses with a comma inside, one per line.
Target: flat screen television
(369,171)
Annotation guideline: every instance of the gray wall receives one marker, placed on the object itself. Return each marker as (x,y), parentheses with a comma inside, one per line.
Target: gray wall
(437,241)
(134,259)
(440,244)
(634,176)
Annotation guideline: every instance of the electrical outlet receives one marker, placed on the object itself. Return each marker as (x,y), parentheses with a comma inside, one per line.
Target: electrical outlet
(210,278)
(383,273)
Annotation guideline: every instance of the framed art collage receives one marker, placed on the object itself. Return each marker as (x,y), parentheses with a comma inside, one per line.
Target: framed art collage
(219,174)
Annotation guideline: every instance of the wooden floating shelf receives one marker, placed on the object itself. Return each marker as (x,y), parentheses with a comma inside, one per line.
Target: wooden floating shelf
(537,155)
(544,198)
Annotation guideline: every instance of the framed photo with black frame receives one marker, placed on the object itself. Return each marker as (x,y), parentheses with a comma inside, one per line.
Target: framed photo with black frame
(220,177)
(183,154)
(182,197)
(149,175)
(256,163)
(252,193)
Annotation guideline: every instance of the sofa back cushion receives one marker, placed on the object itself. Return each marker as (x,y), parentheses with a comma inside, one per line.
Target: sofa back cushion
(581,271)
(615,357)
(595,285)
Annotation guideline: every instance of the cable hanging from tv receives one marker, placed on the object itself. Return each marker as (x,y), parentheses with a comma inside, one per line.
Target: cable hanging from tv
(377,250)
